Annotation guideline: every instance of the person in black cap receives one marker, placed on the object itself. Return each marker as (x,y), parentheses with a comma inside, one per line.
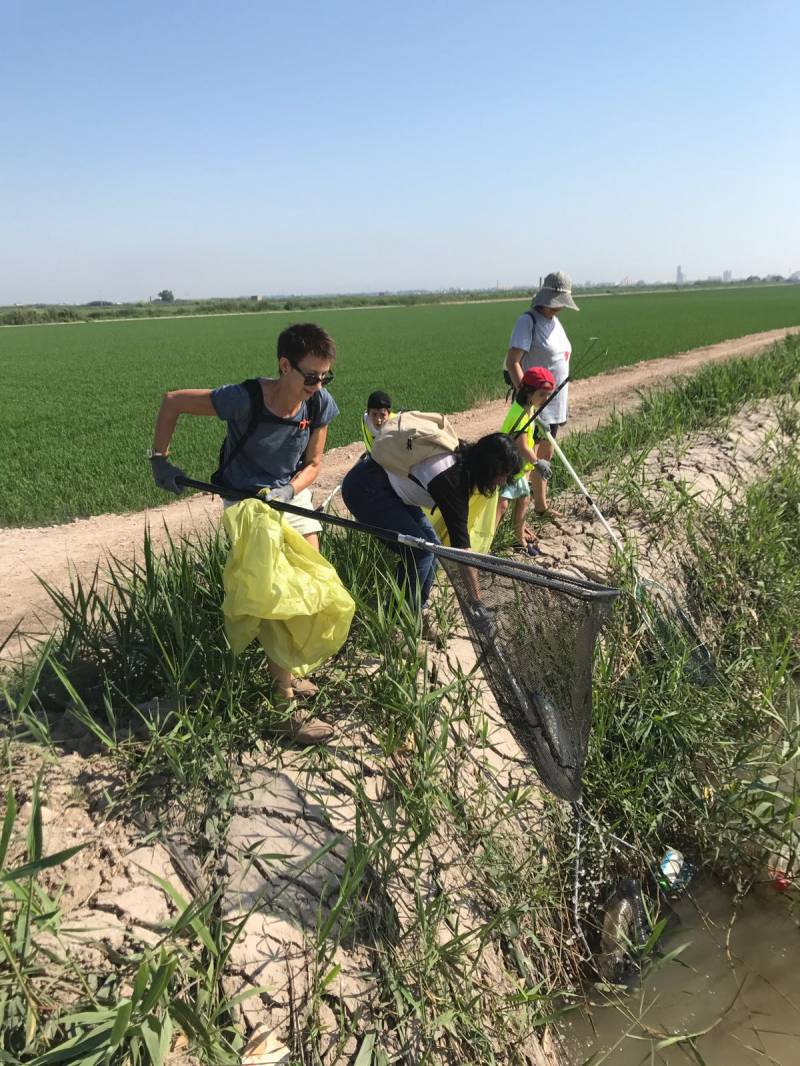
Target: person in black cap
(377,414)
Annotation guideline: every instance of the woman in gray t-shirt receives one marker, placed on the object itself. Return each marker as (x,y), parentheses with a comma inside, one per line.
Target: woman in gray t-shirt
(539,339)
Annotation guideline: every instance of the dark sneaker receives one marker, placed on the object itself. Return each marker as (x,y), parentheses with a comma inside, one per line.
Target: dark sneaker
(530,547)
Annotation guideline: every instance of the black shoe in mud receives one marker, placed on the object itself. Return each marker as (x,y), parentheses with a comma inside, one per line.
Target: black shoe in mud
(528,548)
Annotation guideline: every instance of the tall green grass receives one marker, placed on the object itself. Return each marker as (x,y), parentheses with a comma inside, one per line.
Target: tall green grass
(706,761)
(78,402)
(682,407)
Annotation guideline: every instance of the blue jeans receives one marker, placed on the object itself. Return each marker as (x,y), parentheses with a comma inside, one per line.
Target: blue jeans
(370,498)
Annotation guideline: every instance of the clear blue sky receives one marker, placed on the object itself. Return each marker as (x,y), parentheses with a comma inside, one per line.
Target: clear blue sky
(237,148)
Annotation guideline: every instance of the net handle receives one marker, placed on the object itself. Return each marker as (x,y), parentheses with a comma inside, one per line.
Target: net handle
(639,581)
(532,575)
(615,540)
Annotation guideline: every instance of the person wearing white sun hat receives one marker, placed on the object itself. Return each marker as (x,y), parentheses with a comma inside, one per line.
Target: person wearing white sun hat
(539,339)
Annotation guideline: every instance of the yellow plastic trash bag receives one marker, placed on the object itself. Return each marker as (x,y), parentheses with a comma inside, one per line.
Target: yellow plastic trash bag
(480,522)
(282,591)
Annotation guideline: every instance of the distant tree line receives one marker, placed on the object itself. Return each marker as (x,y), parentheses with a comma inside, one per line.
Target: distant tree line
(26,316)
(166,304)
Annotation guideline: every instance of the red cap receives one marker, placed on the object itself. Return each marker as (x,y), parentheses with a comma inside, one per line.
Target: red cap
(539,377)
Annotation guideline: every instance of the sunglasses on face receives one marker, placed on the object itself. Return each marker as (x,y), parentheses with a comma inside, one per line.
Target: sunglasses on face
(314,379)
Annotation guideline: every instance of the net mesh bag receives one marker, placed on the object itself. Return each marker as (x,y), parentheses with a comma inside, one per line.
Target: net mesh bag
(535,631)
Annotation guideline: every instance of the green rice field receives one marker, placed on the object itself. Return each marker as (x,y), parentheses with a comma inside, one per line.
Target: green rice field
(78,401)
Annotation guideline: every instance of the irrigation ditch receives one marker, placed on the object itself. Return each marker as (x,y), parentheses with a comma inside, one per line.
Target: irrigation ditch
(176,887)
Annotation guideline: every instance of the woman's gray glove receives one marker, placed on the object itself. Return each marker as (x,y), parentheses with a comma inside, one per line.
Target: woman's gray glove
(282,494)
(543,469)
(164,474)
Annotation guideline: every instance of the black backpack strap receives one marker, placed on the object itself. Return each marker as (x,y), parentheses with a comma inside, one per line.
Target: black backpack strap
(256,397)
(506,376)
(314,409)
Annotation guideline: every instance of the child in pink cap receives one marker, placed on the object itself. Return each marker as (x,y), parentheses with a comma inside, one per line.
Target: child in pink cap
(536,387)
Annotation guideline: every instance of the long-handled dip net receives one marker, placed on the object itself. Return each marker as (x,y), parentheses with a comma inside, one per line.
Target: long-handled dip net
(535,630)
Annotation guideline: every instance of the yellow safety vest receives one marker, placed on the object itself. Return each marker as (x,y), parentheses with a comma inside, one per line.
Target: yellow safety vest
(515,419)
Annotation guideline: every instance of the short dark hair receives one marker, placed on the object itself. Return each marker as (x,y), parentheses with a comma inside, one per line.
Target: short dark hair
(305,338)
(523,394)
(487,459)
(379,399)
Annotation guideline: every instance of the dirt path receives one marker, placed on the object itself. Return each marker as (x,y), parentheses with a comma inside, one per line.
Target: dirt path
(55,552)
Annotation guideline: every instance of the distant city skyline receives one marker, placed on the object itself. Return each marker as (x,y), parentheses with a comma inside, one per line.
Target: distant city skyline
(350,148)
(627,281)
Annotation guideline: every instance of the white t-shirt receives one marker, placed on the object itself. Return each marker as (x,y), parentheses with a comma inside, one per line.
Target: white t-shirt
(412,493)
(547,345)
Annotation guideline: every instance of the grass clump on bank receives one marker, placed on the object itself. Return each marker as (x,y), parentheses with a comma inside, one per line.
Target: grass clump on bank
(706,761)
(453,886)
(685,406)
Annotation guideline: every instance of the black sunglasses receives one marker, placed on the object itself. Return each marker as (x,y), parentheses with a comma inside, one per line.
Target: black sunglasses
(315,379)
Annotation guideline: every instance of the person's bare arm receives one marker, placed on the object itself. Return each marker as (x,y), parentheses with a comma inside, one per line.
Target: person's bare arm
(312,460)
(514,365)
(470,575)
(179,402)
(522,446)
(447,491)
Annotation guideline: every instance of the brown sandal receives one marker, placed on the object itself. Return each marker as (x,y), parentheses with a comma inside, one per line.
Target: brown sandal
(301,686)
(302,730)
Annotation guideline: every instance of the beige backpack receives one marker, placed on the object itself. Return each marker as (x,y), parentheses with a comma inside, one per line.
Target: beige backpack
(411,437)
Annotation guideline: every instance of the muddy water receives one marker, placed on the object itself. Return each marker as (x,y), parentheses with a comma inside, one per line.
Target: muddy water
(759,1025)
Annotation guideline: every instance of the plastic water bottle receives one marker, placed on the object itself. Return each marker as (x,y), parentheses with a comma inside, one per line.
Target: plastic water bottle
(671,870)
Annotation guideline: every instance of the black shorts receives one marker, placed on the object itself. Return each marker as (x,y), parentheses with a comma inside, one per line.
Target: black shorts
(553,427)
